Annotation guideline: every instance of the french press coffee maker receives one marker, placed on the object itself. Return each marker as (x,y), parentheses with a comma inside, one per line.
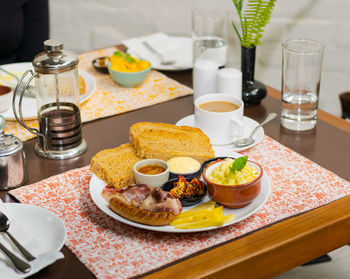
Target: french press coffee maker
(57,95)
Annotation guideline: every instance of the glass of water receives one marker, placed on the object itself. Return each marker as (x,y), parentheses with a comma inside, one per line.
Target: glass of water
(209,35)
(301,76)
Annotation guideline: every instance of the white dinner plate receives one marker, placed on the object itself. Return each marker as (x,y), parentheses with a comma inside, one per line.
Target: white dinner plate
(41,223)
(249,125)
(97,185)
(182,55)
(29,106)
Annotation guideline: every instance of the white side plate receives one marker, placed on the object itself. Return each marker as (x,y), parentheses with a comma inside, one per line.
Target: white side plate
(29,106)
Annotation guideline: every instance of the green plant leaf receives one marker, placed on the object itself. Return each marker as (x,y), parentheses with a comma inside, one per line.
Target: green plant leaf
(239,164)
(253,20)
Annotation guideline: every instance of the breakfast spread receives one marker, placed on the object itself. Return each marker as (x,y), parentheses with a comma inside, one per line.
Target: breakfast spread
(184,189)
(230,173)
(143,204)
(124,62)
(183,165)
(184,149)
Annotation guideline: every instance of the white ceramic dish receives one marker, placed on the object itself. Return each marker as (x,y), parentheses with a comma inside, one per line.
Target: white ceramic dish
(183,57)
(97,185)
(152,180)
(41,223)
(29,107)
(249,125)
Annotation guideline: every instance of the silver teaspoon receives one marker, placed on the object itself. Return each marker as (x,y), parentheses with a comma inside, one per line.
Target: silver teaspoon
(4,226)
(22,266)
(249,140)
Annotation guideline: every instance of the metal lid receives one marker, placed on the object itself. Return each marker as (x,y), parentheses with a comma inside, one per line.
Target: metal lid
(54,59)
(9,144)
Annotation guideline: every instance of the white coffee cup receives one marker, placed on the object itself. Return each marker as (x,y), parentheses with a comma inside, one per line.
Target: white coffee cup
(220,127)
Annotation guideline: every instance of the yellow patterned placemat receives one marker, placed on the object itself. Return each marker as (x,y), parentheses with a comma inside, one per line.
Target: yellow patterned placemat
(111,99)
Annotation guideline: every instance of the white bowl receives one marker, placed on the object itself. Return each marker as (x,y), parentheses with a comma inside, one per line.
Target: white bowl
(152,180)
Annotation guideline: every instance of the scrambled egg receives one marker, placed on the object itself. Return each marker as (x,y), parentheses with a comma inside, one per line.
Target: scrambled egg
(223,175)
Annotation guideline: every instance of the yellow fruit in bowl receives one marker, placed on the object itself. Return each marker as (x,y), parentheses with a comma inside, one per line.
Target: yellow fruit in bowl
(121,62)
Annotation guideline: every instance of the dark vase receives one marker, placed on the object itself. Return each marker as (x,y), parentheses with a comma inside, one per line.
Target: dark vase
(253,91)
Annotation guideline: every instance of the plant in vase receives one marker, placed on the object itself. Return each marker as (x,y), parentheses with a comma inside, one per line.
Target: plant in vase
(252,20)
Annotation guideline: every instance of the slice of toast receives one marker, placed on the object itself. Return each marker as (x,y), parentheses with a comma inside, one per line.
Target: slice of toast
(166,141)
(115,166)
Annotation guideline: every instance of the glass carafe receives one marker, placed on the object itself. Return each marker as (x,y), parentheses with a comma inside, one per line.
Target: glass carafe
(57,96)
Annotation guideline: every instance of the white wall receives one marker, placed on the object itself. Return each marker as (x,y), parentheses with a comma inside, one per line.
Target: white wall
(89,24)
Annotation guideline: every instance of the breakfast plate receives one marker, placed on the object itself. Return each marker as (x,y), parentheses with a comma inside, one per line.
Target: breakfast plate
(29,105)
(96,186)
(249,125)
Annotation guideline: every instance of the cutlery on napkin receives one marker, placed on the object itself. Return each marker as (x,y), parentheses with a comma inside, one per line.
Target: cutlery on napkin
(168,47)
(29,241)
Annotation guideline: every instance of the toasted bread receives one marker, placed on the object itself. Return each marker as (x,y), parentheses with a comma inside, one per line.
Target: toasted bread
(82,85)
(115,166)
(166,141)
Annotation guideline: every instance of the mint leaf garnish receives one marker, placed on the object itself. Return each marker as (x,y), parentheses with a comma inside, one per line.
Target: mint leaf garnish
(239,164)
(118,53)
(129,58)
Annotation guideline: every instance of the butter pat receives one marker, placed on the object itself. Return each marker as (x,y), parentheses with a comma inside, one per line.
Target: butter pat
(183,165)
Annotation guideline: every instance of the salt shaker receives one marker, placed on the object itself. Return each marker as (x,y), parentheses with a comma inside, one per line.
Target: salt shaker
(229,81)
(204,77)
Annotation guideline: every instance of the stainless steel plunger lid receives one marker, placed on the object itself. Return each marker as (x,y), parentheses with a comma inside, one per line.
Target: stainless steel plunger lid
(54,59)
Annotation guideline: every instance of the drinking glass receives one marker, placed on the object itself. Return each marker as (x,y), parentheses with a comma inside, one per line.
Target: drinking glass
(209,35)
(301,76)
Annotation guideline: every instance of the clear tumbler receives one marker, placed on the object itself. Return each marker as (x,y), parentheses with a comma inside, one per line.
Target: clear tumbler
(301,76)
(209,35)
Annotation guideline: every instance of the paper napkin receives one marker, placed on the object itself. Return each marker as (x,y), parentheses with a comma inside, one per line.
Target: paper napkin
(33,245)
(172,48)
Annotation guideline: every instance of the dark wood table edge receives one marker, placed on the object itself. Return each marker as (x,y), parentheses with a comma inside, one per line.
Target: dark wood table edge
(235,258)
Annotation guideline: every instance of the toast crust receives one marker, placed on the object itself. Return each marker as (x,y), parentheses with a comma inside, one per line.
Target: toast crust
(165,141)
(115,166)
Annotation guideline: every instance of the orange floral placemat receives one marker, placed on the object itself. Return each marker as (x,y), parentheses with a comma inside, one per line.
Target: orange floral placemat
(110,99)
(111,249)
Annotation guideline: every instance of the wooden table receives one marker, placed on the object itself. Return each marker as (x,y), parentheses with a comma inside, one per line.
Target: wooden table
(261,254)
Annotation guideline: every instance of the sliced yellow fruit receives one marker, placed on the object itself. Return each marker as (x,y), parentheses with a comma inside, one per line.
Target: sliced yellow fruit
(202,216)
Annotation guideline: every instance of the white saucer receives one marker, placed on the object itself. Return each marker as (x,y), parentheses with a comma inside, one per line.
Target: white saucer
(249,125)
